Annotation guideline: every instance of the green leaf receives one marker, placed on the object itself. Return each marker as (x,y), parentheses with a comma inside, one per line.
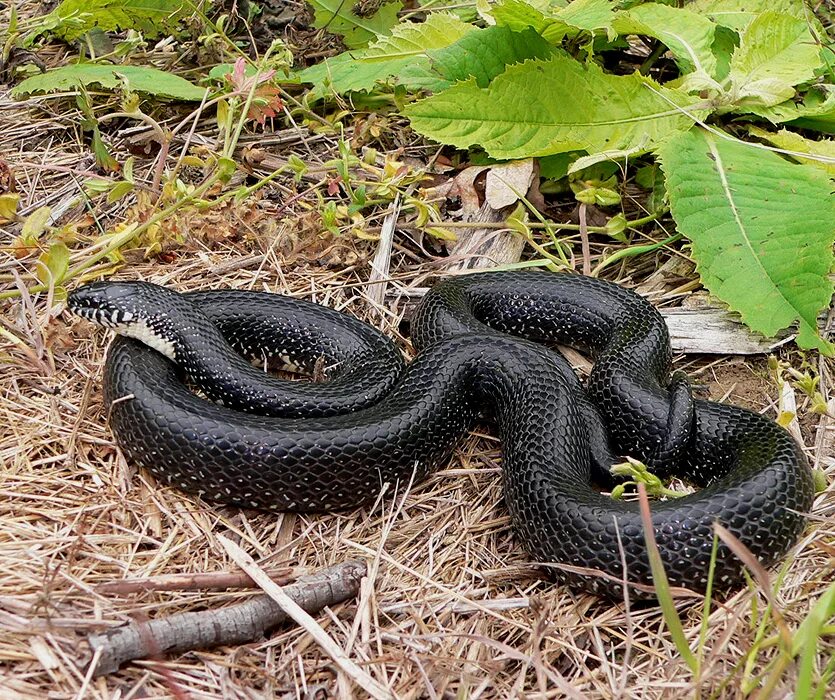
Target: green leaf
(589,15)
(822,152)
(53,264)
(555,23)
(486,53)
(338,17)
(542,107)
(35,226)
(73,18)
(402,55)
(776,52)
(139,78)
(816,111)
(738,14)
(761,230)
(687,35)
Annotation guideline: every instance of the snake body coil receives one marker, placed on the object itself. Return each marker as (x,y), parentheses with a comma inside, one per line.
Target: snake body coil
(282,445)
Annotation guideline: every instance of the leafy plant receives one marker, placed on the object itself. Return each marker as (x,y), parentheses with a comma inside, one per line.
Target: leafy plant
(714,76)
(74,18)
(144,79)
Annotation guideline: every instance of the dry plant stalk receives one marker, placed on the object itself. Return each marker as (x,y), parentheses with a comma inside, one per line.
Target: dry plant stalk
(234,624)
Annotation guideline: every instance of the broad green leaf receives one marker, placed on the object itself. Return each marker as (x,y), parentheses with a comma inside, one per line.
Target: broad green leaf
(430,57)
(738,14)
(486,53)
(816,111)
(776,52)
(338,17)
(687,35)
(589,15)
(401,54)
(554,23)
(761,229)
(73,18)
(822,152)
(542,107)
(139,78)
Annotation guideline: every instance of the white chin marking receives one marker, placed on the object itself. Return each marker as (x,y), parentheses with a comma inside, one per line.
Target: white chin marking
(141,332)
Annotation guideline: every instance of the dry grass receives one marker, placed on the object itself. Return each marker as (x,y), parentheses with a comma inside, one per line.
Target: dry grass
(452,608)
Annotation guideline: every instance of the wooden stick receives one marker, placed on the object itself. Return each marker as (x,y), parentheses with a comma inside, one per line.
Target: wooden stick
(216,580)
(234,624)
(303,619)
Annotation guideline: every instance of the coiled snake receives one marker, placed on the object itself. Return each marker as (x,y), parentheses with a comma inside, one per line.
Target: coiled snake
(268,443)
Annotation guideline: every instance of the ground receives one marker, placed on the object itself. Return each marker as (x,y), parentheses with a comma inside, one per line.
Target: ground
(452,608)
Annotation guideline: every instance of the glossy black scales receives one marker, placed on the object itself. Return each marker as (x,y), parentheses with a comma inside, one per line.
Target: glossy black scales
(399,425)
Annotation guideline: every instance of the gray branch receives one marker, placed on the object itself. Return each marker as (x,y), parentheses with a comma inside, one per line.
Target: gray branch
(234,624)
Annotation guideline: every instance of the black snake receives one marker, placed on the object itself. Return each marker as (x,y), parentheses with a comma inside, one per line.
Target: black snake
(268,443)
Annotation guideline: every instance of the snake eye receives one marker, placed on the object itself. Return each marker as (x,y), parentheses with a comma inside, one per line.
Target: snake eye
(108,303)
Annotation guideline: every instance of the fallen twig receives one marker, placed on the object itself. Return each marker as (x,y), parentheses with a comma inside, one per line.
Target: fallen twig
(188,582)
(300,615)
(234,624)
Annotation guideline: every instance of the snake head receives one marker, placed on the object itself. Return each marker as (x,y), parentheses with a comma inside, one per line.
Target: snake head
(133,309)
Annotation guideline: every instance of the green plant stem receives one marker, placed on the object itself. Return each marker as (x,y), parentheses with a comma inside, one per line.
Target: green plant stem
(118,241)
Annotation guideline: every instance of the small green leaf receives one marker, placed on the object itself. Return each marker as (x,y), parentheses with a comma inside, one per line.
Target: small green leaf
(8,206)
(119,190)
(35,226)
(761,230)
(776,52)
(226,168)
(141,78)
(53,264)
(543,107)
(338,17)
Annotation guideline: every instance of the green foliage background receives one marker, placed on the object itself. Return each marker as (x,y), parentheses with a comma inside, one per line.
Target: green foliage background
(731,136)
(527,79)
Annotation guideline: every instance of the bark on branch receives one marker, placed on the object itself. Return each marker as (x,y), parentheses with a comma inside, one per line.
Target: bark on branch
(234,624)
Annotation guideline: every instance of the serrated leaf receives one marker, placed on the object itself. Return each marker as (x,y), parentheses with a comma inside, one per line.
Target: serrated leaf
(542,107)
(816,111)
(738,14)
(139,78)
(338,17)
(429,56)
(486,53)
(553,22)
(761,230)
(73,18)
(401,55)
(688,35)
(589,15)
(822,152)
(776,52)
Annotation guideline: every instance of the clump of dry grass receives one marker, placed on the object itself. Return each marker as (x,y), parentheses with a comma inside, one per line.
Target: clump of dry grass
(453,607)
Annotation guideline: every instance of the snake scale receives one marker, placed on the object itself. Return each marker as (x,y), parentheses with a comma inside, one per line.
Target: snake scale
(268,443)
